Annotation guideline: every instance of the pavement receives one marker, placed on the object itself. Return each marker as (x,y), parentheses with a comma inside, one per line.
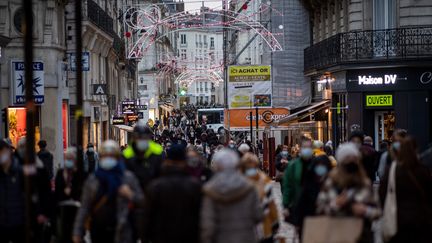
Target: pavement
(286,231)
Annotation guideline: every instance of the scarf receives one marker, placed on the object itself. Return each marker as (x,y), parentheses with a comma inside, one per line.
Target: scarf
(110,180)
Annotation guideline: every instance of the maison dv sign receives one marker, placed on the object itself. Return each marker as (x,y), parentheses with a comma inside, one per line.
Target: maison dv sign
(389,79)
(369,80)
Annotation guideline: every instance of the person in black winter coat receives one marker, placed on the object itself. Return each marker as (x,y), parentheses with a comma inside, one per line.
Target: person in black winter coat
(173,203)
(43,206)
(369,155)
(314,178)
(12,202)
(413,195)
(68,184)
(47,158)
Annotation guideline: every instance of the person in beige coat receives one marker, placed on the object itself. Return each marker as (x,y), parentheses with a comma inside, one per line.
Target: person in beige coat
(231,206)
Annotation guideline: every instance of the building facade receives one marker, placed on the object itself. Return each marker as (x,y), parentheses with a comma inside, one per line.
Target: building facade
(108,78)
(375,59)
(200,60)
(200,52)
(49,73)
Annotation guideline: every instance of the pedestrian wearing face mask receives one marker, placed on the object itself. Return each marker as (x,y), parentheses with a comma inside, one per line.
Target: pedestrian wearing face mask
(293,180)
(390,155)
(43,204)
(314,179)
(196,165)
(249,166)
(12,206)
(282,160)
(173,202)
(68,185)
(348,191)
(107,199)
(412,185)
(91,159)
(369,155)
(144,158)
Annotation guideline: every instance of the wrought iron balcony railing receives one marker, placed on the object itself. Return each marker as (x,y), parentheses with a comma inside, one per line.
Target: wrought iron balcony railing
(99,17)
(370,46)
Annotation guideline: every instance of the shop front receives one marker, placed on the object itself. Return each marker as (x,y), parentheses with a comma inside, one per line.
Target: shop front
(382,100)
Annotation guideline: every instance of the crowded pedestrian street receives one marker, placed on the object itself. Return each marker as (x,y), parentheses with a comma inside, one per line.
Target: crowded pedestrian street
(215,121)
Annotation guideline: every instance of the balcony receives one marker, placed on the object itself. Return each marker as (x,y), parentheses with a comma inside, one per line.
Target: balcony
(99,17)
(370,46)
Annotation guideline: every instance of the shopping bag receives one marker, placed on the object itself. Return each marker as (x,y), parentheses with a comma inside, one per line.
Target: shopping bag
(389,219)
(326,229)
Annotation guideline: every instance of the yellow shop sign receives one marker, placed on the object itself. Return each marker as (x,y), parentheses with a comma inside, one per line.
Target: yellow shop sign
(379,100)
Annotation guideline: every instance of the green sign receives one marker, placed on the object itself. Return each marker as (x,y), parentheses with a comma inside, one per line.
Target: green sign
(379,100)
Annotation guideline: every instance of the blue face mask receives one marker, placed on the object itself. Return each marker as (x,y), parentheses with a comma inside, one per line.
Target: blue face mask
(285,153)
(396,146)
(108,163)
(306,153)
(320,170)
(69,164)
(251,172)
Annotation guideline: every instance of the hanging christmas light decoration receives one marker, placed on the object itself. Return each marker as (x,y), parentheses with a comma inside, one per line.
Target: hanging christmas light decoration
(145,21)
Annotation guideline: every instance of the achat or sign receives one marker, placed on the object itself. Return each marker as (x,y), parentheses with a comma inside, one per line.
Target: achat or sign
(249,86)
(379,100)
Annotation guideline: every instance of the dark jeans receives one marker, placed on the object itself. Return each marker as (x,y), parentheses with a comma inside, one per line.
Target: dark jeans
(12,234)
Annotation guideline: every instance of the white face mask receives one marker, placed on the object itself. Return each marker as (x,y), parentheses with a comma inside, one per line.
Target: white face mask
(251,172)
(4,158)
(108,163)
(91,149)
(306,153)
(69,164)
(142,145)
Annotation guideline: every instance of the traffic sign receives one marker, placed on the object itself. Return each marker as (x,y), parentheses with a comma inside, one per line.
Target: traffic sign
(19,82)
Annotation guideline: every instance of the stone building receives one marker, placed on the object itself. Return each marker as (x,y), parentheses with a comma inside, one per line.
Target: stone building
(106,68)
(373,60)
(49,71)
(54,71)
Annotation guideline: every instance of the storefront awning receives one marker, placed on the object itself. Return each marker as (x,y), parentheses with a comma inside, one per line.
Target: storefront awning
(125,128)
(311,109)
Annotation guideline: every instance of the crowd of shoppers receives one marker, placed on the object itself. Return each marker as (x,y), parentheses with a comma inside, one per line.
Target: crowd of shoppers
(202,191)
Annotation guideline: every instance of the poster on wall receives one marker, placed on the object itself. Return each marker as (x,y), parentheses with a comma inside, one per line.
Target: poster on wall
(19,82)
(240,118)
(65,125)
(249,86)
(16,125)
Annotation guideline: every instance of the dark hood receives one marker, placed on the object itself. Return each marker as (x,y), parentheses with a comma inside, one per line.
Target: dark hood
(228,186)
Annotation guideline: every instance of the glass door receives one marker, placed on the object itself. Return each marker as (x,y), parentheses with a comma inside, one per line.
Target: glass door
(384,126)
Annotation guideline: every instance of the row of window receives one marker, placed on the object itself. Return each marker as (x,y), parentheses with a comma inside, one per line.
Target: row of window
(199,40)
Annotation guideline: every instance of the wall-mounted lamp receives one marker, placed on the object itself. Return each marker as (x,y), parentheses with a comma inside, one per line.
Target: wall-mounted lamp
(326,79)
